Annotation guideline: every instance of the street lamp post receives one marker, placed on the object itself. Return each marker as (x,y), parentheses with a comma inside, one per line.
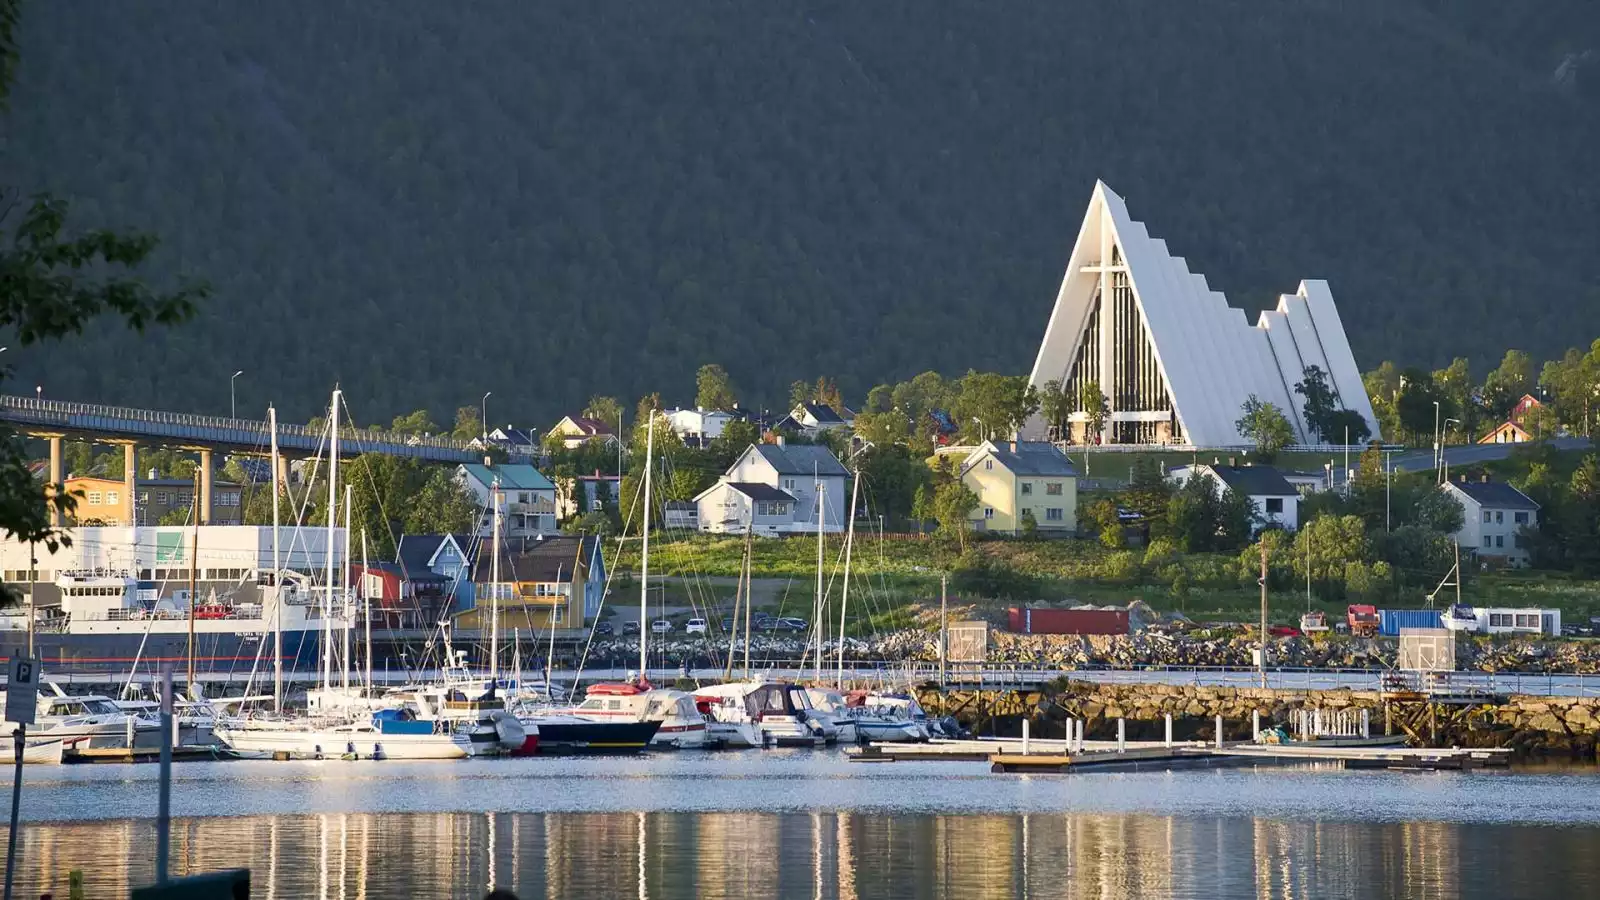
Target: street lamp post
(1442,470)
(233,402)
(1438,444)
(1388,470)
(485,420)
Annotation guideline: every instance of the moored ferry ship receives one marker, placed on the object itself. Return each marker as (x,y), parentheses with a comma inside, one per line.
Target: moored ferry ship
(92,614)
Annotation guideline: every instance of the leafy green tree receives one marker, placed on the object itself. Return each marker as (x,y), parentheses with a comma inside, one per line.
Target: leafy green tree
(1236,520)
(713,388)
(1092,402)
(418,422)
(1383,391)
(469,424)
(1100,516)
(736,437)
(1148,490)
(799,393)
(1191,518)
(1415,408)
(990,406)
(1265,425)
(1454,382)
(1348,424)
(1503,387)
(649,405)
(604,409)
(1055,406)
(1320,404)
(1325,545)
(1439,512)
(953,503)
(891,480)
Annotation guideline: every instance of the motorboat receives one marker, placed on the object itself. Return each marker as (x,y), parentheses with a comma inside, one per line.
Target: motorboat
(388,734)
(91,721)
(832,704)
(782,710)
(729,724)
(682,727)
(481,716)
(1460,617)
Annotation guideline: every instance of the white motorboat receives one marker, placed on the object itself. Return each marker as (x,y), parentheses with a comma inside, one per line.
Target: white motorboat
(390,734)
(683,726)
(64,722)
(1460,617)
(782,711)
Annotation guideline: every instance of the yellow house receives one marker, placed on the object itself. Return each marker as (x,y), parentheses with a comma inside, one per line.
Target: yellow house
(553,581)
(1017,479)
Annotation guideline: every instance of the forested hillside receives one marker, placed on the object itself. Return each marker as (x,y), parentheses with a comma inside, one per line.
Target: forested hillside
(557,199)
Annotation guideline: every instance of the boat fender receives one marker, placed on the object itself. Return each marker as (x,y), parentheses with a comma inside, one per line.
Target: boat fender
(508,729)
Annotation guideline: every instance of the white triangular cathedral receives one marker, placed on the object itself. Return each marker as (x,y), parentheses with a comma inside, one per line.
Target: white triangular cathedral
(1173,359)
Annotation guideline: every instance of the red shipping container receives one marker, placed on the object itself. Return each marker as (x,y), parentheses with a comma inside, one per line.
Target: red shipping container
(1068,621)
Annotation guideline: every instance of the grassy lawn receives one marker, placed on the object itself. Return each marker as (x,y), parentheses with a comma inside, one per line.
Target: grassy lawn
(902,572)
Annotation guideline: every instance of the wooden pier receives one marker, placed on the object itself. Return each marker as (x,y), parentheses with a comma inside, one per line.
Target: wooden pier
(1349,757)
(93,755)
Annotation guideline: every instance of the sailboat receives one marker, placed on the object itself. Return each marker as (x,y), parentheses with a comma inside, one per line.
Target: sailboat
(340,730)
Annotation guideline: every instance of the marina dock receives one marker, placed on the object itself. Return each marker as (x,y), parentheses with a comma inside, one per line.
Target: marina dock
(92,755)
(1349,757)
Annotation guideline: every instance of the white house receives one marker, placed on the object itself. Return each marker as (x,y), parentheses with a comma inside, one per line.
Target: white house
(1174,360)
(799,476)
(1494,514)
(811,419)
(699,426)
(1276,501)
(527,498)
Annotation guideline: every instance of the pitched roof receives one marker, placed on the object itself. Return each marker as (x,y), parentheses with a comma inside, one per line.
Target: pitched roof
(513,476)
(761,493)
(551,559)
(417,550)
(801,459)
(591,426)
(1254,481)
(1033,458)
(1494,494)
(823,413)
(511,435)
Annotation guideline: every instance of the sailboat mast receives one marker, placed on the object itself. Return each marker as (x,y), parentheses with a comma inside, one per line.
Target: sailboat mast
(550,620)
(277,576)
(748,552)
(348,608)
(816,606)
(849,544)
(333,519)
(644,562)
(366,607)
(733,620)
(194,551)
(494,589)
(1458,572)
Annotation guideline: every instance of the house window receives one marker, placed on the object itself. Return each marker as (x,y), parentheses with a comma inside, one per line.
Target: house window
(1027,511)
(1521,518)
(144,496)
(988,465)
(1527,620)
(1487,517)
(94,498)
(1499,540)
(1053,488)
(1499,620)
(1488,541)
(788,484)
(1274,506)
(184,498)
(558,614)
(522,496)
(1027,487)
(163,498)
(988,512)
(113,498)
(1499,517)
(1052,514)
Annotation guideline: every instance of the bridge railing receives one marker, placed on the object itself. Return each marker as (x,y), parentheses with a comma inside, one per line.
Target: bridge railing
(70,414)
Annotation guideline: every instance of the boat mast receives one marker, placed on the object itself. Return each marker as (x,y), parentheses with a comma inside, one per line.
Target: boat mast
(366,608)
(849,543)
(816,606)
(194,551)
(550,620)
(494,590)
(277,574)
(348,610)
(333,519)
(749,551)
(644,564)
(738,591)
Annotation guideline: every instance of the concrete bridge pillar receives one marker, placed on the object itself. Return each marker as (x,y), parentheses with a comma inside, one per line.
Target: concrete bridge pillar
(130,481)
(283,472)
(55,475)
(205,487)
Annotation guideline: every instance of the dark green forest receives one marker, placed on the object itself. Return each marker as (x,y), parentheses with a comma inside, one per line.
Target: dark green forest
(559,199)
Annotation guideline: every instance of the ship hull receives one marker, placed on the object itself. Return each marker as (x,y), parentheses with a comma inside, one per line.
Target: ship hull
(87,654)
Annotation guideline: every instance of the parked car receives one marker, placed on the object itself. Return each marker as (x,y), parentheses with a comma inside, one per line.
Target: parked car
(790,623)
(630,627)
(603,628)
(695,626)
(660,626)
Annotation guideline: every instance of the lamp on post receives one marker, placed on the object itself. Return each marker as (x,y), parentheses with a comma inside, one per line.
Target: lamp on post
(1438,442)
(485,419)
(233,403)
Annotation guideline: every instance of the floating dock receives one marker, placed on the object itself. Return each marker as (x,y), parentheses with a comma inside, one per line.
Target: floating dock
(92,755)
(1349,757)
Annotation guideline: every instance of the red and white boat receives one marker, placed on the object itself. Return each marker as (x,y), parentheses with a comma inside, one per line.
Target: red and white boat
(682,725)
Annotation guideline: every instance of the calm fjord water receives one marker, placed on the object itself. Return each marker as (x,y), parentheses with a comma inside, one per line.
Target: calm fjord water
(811,825)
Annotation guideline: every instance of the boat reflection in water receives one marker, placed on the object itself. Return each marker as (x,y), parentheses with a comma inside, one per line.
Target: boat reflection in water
(821,854)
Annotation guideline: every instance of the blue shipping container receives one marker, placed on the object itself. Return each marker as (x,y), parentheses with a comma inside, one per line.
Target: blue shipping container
(1390,621)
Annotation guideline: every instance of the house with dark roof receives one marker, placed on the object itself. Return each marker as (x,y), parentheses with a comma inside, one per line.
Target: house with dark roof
(543,582)
(1017,481)
(777,489)
(1276,500)
(435,570)
(1495,519)
(811,419)
(527,499)
(576,430)
(515,440)
(697,427)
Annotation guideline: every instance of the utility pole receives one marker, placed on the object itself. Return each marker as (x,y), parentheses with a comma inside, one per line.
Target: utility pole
(194,553)
(1261,664)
